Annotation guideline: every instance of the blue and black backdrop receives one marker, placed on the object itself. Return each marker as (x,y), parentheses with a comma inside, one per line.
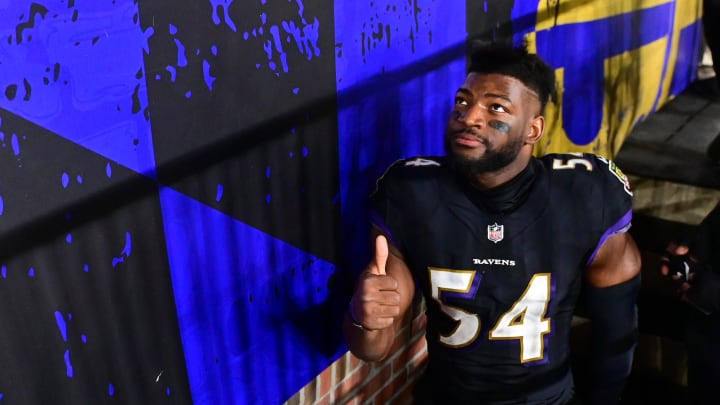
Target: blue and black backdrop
(182,183)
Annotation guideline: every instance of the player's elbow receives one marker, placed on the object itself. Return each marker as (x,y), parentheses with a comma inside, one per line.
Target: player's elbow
(618,261)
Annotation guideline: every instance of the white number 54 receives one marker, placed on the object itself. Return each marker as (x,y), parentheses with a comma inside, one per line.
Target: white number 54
(524,321)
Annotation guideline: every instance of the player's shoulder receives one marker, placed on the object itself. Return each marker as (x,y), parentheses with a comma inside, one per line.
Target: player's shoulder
(574,160)
(413,180)
(417,167)
(589,167)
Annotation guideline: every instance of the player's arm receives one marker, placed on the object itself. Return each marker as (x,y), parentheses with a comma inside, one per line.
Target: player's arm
(382,296)
(612,282)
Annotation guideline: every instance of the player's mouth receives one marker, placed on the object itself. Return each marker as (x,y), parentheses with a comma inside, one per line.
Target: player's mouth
(467,139)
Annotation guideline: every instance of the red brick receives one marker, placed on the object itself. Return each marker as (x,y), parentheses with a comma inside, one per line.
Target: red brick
(324,381)
(400,343)
(365,388)
(400,361)
(408,355)
(356,400)
(353,380)
(396,385)
(340,370)
(356,380)
(417,353)
(404,397)
(324,400)
(419,324)
(309,390)
(377,381)
(346,365)
(354,362)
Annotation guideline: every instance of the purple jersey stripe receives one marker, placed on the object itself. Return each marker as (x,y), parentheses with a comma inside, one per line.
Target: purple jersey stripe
(620,226)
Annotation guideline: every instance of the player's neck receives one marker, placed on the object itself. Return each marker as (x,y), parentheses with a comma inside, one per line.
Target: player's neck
(506,197)
(490,180)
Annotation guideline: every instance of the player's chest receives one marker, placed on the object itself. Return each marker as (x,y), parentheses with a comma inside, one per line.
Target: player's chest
(494,259)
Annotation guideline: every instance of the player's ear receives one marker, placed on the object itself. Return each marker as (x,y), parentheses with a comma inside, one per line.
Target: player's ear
(535,130)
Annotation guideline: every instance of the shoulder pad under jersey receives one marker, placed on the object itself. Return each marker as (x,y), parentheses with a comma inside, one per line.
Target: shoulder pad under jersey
(415,167)
(593,167)
(406,191)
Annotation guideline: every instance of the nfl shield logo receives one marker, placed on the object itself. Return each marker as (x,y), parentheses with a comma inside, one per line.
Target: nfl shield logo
(495,232)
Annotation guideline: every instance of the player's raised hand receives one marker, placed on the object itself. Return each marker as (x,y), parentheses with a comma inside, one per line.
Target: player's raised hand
(376,301)
(382,250)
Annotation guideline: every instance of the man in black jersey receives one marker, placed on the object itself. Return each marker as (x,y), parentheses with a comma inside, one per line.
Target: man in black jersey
(695,265)
(500,244)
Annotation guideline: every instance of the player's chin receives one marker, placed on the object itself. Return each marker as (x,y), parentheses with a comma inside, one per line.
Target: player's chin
(466,153)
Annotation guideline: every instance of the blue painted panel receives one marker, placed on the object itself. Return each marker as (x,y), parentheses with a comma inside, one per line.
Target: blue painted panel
(85,293)
(76,68)
(251,308)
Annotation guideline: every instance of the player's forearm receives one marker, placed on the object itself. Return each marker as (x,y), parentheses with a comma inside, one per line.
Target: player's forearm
(368,345)
(614,315)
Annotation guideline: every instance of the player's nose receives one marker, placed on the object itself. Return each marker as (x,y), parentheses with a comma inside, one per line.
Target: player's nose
(473,115)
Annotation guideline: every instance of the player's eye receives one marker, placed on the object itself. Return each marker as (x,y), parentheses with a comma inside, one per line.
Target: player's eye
(498,108)
(460,101)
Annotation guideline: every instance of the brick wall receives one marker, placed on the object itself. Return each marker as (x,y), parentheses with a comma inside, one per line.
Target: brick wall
(352,381)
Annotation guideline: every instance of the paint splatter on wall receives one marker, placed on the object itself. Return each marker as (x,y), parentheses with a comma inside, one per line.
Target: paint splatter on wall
(49,52)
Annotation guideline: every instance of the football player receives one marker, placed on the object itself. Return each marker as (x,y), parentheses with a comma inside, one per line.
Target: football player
(500,244)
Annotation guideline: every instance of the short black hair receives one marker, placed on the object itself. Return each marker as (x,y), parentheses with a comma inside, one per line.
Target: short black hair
(515,61)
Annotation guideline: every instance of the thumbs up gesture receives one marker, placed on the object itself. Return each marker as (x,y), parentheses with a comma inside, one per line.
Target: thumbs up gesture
(376,301)
(377,266)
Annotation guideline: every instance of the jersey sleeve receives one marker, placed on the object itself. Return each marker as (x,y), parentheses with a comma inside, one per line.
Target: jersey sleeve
(386,204)
(403,196)
(616,211)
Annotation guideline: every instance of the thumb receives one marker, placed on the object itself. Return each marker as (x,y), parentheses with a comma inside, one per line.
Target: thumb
(381,255)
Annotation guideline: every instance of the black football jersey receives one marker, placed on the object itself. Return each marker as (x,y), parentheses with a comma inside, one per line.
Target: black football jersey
(500,288)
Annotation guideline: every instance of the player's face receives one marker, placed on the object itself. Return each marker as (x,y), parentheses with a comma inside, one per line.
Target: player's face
(489,121)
